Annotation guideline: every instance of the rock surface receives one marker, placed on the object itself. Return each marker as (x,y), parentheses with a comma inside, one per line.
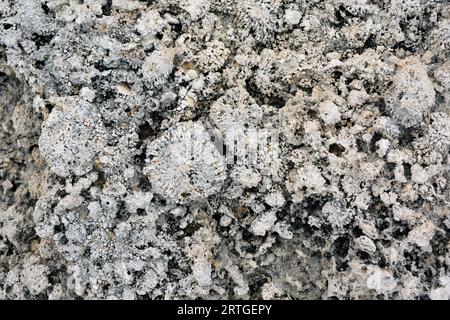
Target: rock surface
(246,149)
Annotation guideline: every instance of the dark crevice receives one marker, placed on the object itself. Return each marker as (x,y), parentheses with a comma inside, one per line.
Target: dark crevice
(106,8)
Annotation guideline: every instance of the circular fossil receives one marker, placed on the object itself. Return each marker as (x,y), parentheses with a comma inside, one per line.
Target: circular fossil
(184,165)
(70,139)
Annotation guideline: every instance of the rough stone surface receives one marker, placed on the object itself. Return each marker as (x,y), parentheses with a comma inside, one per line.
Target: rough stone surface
(246,149)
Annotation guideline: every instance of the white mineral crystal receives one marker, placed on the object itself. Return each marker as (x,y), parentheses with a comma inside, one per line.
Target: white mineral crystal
(293,16)
(329,112)
(263,223)
(381,281)
(366,244)
(202,272)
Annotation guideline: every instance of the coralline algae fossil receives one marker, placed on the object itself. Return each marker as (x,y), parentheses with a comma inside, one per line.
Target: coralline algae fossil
(184,165)
(224,149)
(69,138)
(412,93)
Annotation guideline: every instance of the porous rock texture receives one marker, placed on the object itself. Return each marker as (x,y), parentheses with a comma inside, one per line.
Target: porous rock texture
(118,118)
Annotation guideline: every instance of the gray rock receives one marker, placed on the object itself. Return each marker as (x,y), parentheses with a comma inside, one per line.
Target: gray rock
(246,149)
